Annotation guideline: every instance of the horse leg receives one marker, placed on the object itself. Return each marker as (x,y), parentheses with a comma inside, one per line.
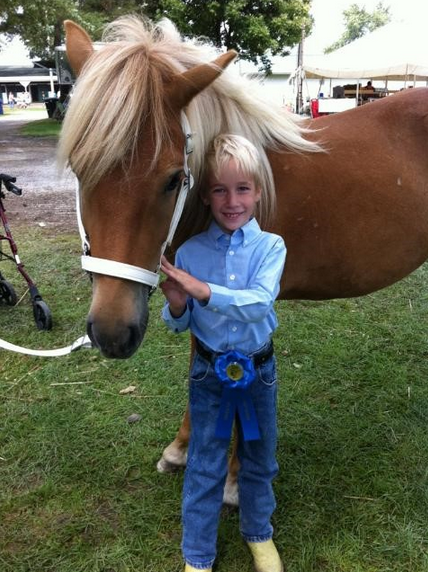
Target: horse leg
(231,493)
(175,455)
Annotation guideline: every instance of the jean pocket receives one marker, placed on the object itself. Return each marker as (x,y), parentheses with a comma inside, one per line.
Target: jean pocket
(200,369)
(267,372)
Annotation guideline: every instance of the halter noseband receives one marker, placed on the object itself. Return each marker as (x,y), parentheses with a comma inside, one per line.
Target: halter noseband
(127,271)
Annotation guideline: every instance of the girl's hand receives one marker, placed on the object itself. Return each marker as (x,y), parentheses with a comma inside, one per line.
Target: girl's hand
(191,286)
(176,296)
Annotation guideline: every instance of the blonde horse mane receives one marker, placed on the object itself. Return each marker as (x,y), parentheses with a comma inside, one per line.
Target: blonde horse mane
(122,86)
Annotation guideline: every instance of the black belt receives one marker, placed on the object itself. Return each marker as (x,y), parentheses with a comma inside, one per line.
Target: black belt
(258,358)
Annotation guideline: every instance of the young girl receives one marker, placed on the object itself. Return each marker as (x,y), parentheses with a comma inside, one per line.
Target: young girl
(223,287)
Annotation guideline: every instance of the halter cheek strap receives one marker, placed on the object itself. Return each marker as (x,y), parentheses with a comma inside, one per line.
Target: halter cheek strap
(127,271)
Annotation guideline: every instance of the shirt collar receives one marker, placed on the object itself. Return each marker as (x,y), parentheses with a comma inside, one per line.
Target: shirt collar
(244,235)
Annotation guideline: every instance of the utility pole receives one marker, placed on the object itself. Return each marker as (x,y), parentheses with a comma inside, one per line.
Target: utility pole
(299,76)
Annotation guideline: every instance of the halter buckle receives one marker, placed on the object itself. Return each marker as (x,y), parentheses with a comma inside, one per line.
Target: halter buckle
(189,146)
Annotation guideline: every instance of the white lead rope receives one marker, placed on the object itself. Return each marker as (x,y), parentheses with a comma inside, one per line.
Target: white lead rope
(82,342)
(112,267)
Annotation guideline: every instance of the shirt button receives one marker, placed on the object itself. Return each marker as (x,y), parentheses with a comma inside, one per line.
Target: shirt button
(215,309)
(232,276)
(231,252)
(234,329)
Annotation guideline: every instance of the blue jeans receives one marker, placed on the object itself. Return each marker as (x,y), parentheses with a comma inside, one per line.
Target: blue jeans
(207,465)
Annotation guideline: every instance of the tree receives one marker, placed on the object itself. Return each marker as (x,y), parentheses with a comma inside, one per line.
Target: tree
(39,23)
(257,30)
(359,22)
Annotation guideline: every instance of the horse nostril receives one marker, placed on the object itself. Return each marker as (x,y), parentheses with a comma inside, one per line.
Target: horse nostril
(134,336)
(119,343)
(89,330)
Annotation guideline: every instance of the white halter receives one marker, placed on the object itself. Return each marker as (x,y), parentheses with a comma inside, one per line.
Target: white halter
(120,269)
(127,271)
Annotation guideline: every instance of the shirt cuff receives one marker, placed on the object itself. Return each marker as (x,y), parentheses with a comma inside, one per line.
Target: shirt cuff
(176,324)
(220,298)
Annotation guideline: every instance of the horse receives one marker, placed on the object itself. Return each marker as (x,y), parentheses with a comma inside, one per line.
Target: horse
(348,192)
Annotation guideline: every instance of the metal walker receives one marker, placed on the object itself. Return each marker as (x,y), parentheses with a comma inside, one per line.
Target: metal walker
(41,312)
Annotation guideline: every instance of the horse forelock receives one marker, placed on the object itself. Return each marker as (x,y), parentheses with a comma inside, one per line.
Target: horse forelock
(119,89)
(122,86)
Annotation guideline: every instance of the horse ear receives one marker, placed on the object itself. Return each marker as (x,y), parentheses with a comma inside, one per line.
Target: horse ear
(185,86)
(78,44)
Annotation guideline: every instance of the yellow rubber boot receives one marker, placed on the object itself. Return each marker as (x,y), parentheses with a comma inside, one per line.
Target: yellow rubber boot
(189,568)
(266,557)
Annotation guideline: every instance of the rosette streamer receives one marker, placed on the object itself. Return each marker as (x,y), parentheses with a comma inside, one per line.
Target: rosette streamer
(236,373)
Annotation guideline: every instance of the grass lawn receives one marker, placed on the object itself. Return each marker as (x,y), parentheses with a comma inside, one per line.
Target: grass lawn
(37,128)
(16,110)
(80,491)
(42,128)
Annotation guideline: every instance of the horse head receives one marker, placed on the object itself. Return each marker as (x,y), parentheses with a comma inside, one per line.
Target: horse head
(125,143)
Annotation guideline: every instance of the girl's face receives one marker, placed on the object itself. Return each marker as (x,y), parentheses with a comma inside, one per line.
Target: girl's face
(232,197)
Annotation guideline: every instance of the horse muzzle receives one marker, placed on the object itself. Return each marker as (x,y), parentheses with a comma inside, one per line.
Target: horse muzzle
(116,323)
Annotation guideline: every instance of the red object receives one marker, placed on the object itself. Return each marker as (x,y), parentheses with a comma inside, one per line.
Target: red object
(314,108)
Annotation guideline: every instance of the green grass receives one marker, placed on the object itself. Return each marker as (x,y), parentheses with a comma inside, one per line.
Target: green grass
(80,492)
(42,128)
(16,110)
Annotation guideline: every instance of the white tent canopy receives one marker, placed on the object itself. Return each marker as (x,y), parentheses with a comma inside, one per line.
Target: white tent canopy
(396,51)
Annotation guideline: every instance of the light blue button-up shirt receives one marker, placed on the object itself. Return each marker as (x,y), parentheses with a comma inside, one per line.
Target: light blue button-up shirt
(243,271)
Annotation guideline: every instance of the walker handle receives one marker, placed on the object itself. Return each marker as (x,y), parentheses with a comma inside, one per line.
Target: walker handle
(8,183)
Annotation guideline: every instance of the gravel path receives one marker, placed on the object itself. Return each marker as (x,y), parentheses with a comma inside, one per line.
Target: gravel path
(47,197)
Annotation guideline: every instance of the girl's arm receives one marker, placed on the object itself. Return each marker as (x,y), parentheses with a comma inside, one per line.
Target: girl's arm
(253,303)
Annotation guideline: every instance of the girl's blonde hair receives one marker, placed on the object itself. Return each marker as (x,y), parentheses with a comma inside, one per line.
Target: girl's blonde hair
(225,147)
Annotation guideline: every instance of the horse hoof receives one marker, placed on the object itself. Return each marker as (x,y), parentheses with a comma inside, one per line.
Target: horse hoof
(171,464)
(231,494)
(164,466)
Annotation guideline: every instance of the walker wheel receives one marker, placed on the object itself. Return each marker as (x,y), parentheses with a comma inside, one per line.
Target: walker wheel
(42,315)
(7,293)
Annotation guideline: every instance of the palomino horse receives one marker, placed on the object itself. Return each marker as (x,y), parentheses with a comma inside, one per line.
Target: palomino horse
(354,215)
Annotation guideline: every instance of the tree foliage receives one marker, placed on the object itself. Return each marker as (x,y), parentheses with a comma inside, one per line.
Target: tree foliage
(358,22)
(257,30)
(39,23)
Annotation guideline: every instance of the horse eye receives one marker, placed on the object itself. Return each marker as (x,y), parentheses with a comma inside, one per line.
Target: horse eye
(173,183)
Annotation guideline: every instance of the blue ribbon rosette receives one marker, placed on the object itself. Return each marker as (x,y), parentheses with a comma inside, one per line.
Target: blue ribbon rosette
(236,373)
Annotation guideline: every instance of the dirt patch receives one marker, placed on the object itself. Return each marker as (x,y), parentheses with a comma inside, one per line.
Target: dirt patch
(47,196)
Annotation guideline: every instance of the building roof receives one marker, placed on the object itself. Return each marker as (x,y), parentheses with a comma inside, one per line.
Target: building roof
(22,70)
(25,73)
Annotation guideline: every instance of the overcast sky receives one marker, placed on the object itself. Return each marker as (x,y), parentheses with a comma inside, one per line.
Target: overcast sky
(329,21)
(329,24)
